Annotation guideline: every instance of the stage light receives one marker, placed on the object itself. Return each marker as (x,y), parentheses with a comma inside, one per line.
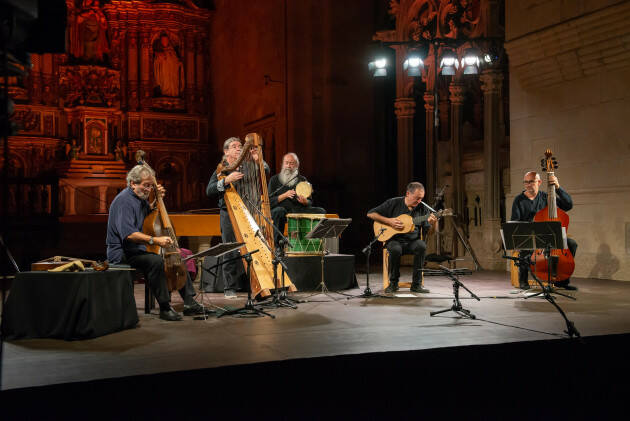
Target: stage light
(379,67)
(449,63)
(470,62)
(413,65)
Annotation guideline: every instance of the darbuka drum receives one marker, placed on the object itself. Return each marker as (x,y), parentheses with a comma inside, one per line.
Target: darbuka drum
(300,224)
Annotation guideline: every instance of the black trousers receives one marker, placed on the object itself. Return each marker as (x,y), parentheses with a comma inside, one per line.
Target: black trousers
(279,217)
(152,266)
(397,248)
(230,273)
(523,271)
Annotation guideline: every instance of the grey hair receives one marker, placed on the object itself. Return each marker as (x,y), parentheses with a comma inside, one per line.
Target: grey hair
(413,186)
(137,173)
(294,155)
(226,144)
(536,175)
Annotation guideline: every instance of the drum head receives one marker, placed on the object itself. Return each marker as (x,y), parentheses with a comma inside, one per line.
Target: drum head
(304,189)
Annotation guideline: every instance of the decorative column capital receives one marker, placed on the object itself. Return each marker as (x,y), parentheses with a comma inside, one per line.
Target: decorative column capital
(404,107)
(429,101)
(491,81)
(457,91)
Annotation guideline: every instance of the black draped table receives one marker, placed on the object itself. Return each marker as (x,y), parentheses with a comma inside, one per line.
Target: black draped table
(306,271)
(69,305)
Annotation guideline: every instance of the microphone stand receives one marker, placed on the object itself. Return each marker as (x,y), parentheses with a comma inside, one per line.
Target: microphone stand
(367,250)
(457,305)
(249,309)
(280,297)
(547,291)
(284,185)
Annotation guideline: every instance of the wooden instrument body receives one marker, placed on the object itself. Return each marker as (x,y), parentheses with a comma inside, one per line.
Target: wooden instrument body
(158,224)
(561,263)
(408,224)
(246,230)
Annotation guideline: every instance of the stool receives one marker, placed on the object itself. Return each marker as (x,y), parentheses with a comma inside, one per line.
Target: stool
(386,273)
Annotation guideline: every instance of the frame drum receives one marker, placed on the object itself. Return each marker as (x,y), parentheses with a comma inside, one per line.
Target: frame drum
(300,224)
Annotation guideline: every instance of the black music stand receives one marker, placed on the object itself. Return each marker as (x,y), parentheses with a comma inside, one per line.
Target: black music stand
(249,309)
(538,235)
(367,250)
(453,275)
(214,251)
(327,228)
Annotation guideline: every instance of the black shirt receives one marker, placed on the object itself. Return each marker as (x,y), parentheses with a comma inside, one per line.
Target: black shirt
(276,188)
(524,208)
(396,206)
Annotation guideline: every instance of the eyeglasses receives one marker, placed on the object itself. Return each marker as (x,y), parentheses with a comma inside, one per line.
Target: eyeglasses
(529,181)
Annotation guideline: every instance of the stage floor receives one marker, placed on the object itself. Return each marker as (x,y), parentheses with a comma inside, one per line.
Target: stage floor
(320,327)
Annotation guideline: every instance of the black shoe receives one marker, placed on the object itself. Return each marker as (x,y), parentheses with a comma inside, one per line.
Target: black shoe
(569,287)
(194,308)
(418,288)
(170,315)
(524,287)
(391,288)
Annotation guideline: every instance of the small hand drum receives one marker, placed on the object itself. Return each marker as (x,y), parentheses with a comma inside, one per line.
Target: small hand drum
(300,224)
(304,189)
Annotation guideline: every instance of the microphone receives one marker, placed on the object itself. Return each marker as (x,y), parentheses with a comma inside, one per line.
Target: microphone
(284,185)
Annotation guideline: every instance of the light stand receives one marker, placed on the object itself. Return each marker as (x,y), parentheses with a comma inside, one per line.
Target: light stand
(249,309)
(367,250)
(457,305)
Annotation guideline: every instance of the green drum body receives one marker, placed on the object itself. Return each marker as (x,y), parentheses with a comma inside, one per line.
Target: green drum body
(300,224)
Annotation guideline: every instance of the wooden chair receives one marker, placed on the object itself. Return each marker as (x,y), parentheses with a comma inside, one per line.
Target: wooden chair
(386,273)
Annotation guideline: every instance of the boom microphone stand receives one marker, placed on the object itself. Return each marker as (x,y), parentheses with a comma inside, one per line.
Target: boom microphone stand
(249,309)
(367,250)
(457,305)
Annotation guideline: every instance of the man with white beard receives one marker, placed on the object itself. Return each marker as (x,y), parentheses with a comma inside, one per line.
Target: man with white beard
(282,196)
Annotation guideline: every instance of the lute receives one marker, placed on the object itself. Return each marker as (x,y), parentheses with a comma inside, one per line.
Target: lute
(385,232)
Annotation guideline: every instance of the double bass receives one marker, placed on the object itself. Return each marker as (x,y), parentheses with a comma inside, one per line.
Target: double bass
(245,200)
(158,224)
(561,264)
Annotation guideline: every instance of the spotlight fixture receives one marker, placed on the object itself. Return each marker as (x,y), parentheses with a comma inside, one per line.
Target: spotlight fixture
(413,65)
(379,67)
(470,62)
(449,63)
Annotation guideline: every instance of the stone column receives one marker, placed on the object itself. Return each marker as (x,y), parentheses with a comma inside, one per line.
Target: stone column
(132,70)
(491,84)
(36,79)
(431,147)
(457,107)
(405,109)
(69,194)
(189,68)
(200,72)
(145,88)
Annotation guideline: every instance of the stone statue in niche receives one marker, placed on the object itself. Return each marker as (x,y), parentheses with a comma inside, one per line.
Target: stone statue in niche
(168,69)
(71,149)
(88,32)
(120,152)
(95,140)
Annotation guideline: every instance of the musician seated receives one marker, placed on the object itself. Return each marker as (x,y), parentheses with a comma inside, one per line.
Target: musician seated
(126,243)
(283,198)
(525,207)
(408,243)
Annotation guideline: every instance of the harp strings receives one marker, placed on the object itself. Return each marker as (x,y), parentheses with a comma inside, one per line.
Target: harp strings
(249,188)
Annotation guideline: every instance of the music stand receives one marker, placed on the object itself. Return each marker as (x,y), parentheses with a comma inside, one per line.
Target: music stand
(327,228)
(538,235)
(214,251)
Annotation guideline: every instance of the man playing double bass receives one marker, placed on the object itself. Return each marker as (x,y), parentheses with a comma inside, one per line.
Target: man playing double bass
(126,243)
(525,207)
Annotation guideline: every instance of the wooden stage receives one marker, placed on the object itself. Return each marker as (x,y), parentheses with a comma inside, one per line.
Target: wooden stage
(380,356)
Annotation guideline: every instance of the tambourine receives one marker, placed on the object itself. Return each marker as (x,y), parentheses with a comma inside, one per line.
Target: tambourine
(304,189)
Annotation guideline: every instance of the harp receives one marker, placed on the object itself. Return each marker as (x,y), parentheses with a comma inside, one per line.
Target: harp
(244,199)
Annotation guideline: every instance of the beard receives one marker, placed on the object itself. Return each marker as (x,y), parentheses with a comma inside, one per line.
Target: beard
(287,177)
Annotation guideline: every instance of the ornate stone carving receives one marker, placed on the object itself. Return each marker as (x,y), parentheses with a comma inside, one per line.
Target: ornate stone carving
(405,107)
(87,31)
(28,120)
(153,128)
(89,85)
(458,93)
(491,81)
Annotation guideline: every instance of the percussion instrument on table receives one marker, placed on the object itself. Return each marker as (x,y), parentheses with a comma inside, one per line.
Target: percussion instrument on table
(298,225)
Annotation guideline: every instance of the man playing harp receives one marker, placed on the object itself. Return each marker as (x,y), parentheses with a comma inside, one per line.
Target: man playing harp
(246,183)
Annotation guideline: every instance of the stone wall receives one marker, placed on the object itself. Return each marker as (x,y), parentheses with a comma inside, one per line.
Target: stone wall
(570,92)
